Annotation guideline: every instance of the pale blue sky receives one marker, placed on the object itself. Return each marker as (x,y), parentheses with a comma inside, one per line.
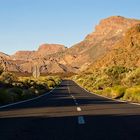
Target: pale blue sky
(25,24)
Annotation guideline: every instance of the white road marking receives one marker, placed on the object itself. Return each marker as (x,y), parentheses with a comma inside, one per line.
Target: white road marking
(76,103)
(81,120)
(27,100)
(79,109)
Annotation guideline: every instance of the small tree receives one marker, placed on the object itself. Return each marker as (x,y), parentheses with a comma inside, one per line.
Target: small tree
(116,73)
(132,78)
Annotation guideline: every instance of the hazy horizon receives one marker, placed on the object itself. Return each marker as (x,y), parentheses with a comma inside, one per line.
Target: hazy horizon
(26,24)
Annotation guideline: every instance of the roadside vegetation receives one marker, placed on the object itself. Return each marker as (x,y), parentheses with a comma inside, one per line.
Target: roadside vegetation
(13,88)
(115,82)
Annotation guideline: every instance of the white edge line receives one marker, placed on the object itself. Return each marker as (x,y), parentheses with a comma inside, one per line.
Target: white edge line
(4,106)
(107,97)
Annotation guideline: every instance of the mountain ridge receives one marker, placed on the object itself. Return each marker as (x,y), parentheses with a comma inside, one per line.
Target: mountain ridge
(55,58)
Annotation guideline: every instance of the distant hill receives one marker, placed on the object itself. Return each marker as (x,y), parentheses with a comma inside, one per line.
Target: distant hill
(43,51)
(106,45)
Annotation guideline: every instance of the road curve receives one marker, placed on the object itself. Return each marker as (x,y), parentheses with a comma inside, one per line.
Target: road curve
(70,113)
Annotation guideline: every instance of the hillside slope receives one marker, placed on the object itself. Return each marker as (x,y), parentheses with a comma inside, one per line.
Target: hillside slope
(109,32)
(124,53)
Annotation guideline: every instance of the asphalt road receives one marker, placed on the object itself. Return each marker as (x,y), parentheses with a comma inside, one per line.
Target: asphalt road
(70,113)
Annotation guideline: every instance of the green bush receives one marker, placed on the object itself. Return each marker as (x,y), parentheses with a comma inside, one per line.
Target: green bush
(27,94)
(5,97)
(16,92)
(17,84)
(8,78)
(57,80)
(132,79)
(132,94)
(15,89)
(117,91)
(114,92)
(51,84)
(80,81)
(88,81)
(115,72)
(102,82)
(107,91)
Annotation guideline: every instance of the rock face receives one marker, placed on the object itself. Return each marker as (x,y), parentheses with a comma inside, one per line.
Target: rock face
(111,27)
(47,49)
(125,53)
(55,58)
(5,56)
(43,51)
(101,41)
(23,55)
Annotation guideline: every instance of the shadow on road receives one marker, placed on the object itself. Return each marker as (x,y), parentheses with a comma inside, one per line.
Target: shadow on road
(97,127)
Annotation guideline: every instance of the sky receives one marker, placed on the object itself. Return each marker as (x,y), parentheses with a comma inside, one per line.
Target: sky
(26,24)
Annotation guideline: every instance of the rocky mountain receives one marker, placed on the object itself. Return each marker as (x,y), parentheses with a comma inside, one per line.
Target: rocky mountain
(5,56)
(43,51)
(99,42)
(55,58)
(124,53)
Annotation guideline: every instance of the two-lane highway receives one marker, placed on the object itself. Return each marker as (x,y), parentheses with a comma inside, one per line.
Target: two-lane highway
(70,113)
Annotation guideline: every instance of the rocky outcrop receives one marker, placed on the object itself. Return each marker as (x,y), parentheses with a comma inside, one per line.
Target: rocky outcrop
(124,53)
(47,49)
(24,55)
(109,32)
(43,51)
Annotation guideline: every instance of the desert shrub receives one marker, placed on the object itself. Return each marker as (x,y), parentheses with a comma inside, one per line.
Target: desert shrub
(51,84)
(132,94)
(107,91)
(88,82)
(80,81)
(27,94)
(115,72)
(114,92)
(5,97)
(117,91)
(102,82)
(28,83)
(132,78)
(99,92)
(17,84)
(34,91)
(57,80)
(24,87)
(8,78)
(76,77)
(16,92)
